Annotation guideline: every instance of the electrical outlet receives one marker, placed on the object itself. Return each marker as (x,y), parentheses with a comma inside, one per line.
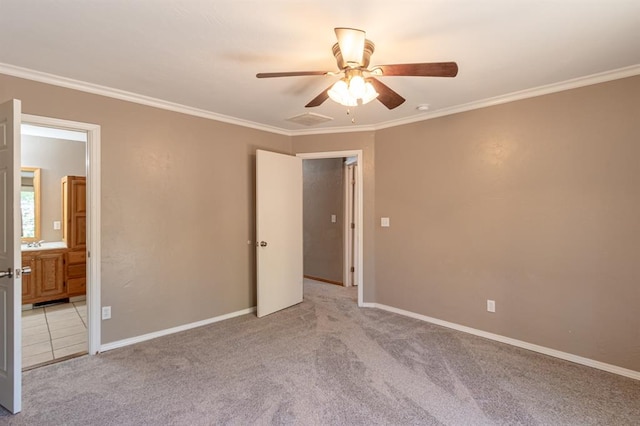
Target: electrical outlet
(334,218)
(491,305)
(56,225)
(106,312)
(384,222)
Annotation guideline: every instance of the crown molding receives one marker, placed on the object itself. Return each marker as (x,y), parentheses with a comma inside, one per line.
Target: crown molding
(498,100)
(520,95)
(123,95)
(69,83)
(333,130)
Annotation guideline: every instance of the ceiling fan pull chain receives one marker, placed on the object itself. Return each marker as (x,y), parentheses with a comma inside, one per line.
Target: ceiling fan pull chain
(353,117)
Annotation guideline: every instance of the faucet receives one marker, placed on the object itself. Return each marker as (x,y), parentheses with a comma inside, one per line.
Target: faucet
(35,244)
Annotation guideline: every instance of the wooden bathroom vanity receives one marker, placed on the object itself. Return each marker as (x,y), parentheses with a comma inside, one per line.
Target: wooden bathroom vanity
(58,273)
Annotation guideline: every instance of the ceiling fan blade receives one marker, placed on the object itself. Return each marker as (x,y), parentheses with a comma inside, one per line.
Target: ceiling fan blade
(318,100)
(351,42)
(432,69)
(386,95)
(289,74)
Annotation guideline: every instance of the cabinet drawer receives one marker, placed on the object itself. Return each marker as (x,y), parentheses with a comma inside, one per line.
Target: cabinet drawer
(77,271)
(76,286)
(79,256)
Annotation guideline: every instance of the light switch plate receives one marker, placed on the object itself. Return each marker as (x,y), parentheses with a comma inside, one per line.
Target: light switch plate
(333,218)
(384,222)
(56,225)
(106,312)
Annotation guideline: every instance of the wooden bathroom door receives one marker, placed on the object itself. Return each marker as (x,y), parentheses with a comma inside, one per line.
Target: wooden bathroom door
(278,231)
(10,260)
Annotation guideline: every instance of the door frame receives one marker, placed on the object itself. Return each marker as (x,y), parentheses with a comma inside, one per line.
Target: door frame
(350,237)
(93,218)
(359,206)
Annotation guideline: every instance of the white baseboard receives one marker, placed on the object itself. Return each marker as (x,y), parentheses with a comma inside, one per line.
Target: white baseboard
(496,337)
(185,327)
(514,342)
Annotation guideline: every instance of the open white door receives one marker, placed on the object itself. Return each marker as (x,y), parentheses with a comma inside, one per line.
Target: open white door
(278,231)
(10,263)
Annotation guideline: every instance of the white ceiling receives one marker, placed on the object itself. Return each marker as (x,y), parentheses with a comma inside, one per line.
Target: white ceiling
(204,54)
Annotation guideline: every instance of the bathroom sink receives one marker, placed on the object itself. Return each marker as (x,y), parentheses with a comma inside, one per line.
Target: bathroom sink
(45,246)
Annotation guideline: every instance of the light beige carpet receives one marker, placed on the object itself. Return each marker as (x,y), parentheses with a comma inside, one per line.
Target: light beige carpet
(324,361)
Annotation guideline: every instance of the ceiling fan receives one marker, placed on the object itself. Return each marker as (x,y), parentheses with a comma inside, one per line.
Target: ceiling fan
(358,84)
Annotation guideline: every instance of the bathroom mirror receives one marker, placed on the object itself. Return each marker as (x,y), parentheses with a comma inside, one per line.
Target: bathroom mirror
(30,203)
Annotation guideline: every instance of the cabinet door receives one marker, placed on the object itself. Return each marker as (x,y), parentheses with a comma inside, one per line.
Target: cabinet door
(28,279)
(74,206)
(50,275)
(79,212)
(76,286)
(76,272)
(76,256)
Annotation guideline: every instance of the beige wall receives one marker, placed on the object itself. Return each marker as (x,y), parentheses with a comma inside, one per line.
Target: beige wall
(353,141)
(535,204)
(323,239)
(172,252)
(56,158)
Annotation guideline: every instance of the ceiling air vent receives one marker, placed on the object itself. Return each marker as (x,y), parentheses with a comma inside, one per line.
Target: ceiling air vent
(309,119)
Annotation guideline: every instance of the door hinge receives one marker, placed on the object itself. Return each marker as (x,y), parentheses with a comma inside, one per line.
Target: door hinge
(353,226)
(353,269)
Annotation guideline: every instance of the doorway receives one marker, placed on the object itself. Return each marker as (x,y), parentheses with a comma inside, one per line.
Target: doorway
(352,256)
(54,312)
(323,220)
(91,310)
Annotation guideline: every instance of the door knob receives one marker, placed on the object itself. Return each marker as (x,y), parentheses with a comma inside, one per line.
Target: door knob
(263,243)
(9,273)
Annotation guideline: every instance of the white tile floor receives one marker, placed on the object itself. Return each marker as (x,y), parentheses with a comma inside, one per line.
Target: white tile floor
(53,332)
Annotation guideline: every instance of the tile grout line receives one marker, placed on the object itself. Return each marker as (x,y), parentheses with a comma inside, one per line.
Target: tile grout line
(77,312)
(46,318)
(51,325)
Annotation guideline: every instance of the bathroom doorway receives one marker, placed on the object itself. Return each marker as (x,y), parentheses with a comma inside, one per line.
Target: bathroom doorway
(54,312)
(61,299)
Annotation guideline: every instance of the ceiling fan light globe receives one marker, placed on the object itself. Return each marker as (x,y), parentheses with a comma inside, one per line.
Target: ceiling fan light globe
(340,93)
(357,87)
(369,93)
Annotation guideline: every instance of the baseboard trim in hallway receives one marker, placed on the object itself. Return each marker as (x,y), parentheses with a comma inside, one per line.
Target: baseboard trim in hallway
(324,280)
(514,342)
